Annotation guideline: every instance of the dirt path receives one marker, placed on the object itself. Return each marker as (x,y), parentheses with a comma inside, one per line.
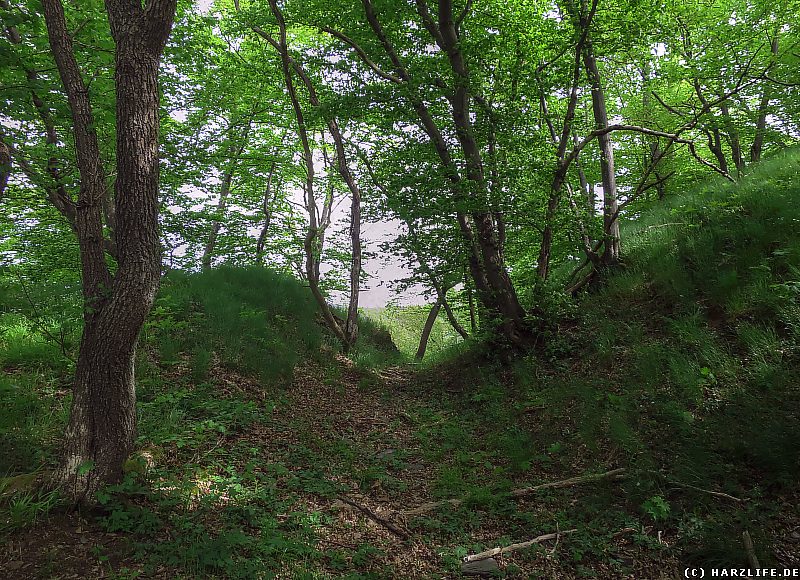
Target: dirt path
(347,451)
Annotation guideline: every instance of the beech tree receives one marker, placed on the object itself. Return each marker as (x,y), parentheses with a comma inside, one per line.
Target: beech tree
(100,434)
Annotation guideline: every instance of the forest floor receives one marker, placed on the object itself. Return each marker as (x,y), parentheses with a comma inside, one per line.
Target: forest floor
(312,481)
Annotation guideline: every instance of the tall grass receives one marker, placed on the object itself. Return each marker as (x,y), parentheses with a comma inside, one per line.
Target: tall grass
(253,319)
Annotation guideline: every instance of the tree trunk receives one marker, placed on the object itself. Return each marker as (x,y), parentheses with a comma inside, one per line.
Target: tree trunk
(714,138)
(267,208)
(502,295)
(451,318)
(101,430)
(484,252)
(473,317)
(5,167)
(347,333)
(763,109)
(733,138)
(216,225)
(426,330)
(584,20)
(653,153)
(610,201)
(225,191)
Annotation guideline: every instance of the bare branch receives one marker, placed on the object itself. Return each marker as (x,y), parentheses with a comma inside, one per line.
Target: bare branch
(362,54)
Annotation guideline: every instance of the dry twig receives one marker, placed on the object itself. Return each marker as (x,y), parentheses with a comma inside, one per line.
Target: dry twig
(525,491)
(396,530)
(514,547)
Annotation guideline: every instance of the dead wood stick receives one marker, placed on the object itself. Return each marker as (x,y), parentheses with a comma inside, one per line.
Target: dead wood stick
(751,551)
(613,474)
(397,531)
(515,547)
(525,491)
(708,491)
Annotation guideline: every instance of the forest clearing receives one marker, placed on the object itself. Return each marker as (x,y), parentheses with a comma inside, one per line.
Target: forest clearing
(399,289)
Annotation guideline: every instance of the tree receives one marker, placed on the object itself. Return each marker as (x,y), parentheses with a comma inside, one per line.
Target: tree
(101,429)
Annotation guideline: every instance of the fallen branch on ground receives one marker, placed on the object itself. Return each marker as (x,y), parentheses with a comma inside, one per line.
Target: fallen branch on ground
(718,494)
(514,547)
(525,491)
(397,531)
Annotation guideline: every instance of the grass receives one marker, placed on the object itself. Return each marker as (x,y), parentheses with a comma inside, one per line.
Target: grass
(253,319)
(682,368)
(405,326)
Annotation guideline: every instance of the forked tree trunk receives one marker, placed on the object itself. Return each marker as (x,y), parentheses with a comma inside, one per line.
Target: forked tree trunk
(732,134)
(346,331)
(481,237)
(102,425)
(584,16)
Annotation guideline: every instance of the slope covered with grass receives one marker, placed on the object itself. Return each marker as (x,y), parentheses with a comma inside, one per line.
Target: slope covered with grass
(682,369)
(687,361)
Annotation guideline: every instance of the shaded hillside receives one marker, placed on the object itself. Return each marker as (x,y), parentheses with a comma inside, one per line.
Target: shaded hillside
(263,452)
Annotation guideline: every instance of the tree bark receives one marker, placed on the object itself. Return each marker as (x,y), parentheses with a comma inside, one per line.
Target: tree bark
(426,330)
(503,296)
(653,153)
(222,205)
(100,433)
(482,242)
(732,133)
(451,318)
(348,331)
(216,225)
(473,317)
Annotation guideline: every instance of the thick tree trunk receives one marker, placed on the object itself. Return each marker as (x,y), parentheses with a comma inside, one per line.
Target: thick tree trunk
(101,429)
(484,249)
(502,295)
(426,330)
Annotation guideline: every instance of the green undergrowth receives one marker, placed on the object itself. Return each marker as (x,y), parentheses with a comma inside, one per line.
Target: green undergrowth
(405,324)
(253,320)
(682,367)
(686,362)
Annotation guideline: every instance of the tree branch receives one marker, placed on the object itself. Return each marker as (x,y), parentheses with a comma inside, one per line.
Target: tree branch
(362,54)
